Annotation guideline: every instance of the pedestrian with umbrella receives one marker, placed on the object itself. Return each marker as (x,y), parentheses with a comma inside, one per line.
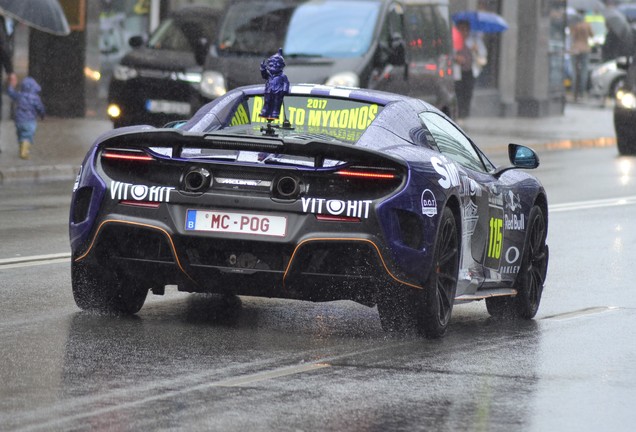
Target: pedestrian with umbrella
(619,40)
(470,58)
(44,15)
(472,54)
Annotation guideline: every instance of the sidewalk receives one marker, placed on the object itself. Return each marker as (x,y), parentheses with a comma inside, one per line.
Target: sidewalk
(61,143)
(59,149)
(583,125)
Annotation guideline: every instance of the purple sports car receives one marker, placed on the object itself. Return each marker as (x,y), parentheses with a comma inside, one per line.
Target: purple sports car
(351,194)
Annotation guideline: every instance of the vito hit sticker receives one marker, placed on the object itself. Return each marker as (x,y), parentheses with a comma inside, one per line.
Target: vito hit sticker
(127,191)
(350,208)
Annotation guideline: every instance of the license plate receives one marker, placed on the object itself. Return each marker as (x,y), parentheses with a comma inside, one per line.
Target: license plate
(168,107)
(236,223)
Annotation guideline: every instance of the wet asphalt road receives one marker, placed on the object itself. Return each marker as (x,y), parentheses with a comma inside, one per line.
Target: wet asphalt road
(194,362)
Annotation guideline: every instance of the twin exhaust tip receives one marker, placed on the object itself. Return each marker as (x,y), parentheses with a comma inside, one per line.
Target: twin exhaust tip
(199,180)
(287,187)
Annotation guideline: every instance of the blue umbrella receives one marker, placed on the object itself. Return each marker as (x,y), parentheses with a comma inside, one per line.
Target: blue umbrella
(482,21)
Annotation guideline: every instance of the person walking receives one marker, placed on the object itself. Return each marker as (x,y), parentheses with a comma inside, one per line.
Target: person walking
(470,58)
(580,49)
(28,107)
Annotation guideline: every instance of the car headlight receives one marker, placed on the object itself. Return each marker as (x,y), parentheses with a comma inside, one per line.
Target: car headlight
(344,79)
(113,111)
(124,73)
(212,84)
(626,99)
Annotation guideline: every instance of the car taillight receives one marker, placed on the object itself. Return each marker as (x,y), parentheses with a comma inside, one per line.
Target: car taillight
(127,155)
(368,174)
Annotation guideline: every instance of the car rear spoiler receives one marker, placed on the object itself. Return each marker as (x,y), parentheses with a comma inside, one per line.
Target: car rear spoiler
(177,140)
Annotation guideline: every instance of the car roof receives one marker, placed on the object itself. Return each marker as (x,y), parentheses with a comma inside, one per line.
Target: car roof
(355,93)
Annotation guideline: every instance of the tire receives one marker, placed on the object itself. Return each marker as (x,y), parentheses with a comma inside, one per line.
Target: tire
(97,289)
(438,296)
(626,143)
(625,134)
(531,276)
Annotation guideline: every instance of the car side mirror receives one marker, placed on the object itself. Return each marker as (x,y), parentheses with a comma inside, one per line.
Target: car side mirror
(136,41)
(520,157)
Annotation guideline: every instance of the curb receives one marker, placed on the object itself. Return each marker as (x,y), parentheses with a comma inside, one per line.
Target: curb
(38,174)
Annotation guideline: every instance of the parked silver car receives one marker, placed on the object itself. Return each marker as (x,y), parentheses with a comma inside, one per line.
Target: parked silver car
(607,78)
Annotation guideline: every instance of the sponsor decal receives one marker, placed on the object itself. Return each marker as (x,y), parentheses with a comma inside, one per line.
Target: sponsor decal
(318,114)
(495,240)
(470,219)
(429,203)
(470,187)
(243,182)
(447,170)
(496,201)
(509,269)
(513,201)
(495,198)
(128,191)
(512,256)
(349,208)
(515,222)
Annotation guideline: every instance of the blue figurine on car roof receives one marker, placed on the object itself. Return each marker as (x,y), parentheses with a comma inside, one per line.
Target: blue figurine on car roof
(276,87)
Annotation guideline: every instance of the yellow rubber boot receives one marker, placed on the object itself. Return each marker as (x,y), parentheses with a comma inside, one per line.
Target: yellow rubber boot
(25,148)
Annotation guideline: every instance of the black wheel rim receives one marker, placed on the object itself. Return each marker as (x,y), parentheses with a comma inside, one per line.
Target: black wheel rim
(446,270)
(536,262)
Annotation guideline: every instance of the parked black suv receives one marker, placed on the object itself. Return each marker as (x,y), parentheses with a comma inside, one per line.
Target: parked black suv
(160,81)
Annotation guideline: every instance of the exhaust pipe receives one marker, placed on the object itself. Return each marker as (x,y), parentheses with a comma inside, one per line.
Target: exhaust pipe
(287,187)
(196,180)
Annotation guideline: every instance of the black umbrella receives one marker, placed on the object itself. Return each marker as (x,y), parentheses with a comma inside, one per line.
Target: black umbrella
(44,15)
(617,24)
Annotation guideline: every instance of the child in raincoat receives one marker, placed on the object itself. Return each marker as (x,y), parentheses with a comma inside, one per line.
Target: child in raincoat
(28,107)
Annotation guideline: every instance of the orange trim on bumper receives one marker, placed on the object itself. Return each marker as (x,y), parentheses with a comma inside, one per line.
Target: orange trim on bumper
(349,240)
(166,233)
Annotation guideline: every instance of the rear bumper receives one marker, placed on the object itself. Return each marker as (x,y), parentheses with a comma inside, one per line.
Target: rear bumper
(329,266)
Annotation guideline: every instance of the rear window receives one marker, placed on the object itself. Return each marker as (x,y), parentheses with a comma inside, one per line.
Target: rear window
(319,28)
(427,32)
(343,119)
